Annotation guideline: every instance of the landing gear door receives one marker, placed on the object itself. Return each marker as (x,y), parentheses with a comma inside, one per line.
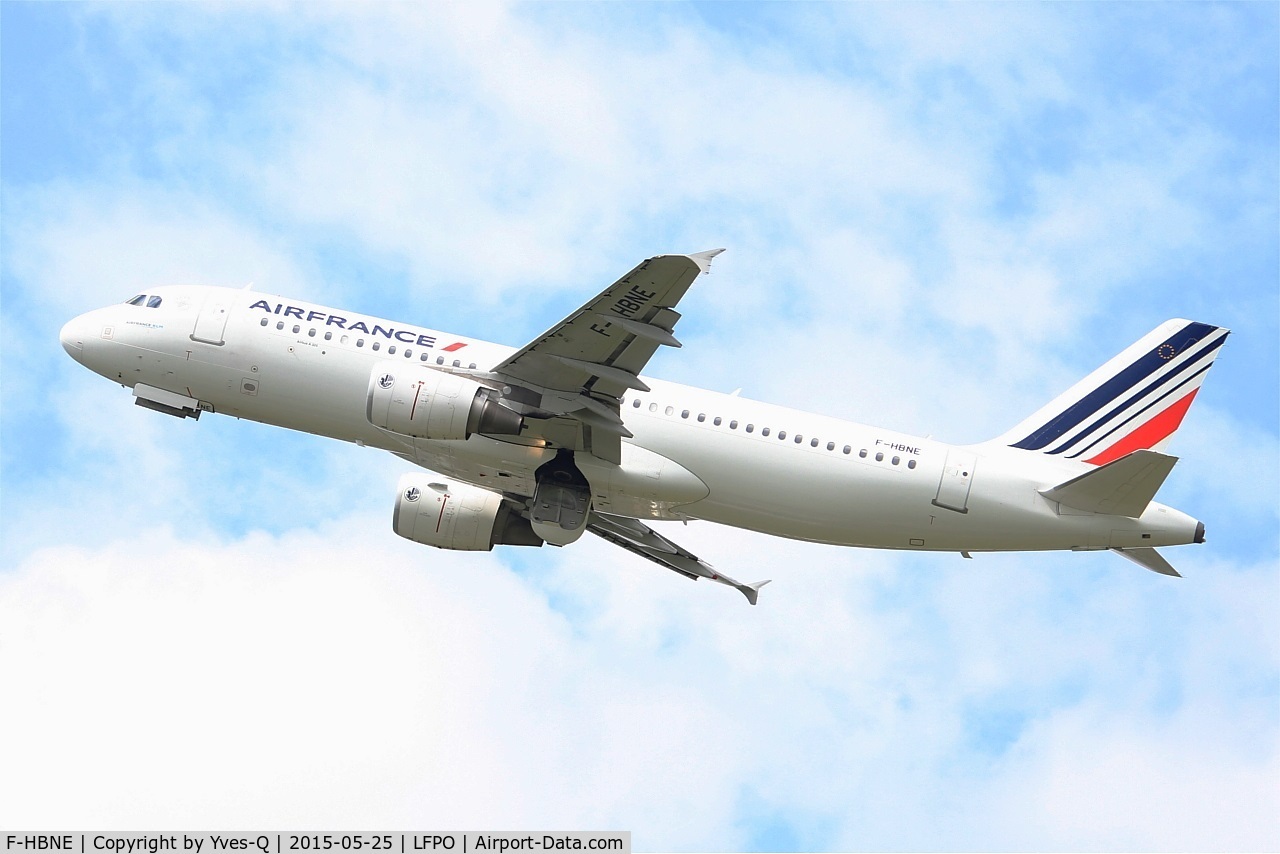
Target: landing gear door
(957,478)
(212,321)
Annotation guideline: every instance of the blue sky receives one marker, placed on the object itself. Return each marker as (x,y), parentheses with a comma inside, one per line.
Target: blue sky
(937,217)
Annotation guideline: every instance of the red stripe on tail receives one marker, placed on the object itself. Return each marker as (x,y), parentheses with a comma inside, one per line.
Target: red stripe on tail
(1153,432)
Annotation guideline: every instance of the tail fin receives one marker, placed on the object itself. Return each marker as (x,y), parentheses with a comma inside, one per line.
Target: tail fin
(1134,402)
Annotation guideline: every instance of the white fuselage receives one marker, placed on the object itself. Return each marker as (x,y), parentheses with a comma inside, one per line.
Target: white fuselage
(695,454)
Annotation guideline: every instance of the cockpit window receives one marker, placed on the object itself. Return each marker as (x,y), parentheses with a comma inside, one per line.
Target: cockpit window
(143,299)
(138,300)
(153,302)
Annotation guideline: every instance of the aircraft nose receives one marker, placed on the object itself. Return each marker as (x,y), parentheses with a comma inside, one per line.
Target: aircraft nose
(72,337)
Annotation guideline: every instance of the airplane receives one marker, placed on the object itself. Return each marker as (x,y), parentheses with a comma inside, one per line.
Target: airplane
(565,435)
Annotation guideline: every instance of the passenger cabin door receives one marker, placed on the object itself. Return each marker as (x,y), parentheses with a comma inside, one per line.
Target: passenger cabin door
(957,478)
(212,320)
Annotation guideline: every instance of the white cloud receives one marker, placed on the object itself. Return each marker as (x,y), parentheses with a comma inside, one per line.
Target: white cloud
(74,247)
(342,677)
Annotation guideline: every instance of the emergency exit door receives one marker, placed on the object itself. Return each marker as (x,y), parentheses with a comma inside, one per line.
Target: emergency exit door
(211,323)
(957,478)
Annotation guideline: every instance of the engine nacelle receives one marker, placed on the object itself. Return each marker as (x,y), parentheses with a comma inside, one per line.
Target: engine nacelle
(415,401)
(457,516)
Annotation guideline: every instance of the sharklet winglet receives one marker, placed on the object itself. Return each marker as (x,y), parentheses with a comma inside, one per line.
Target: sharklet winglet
(703,259)
(752,591)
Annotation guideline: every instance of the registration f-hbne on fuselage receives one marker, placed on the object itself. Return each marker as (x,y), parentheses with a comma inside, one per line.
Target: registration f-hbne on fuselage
(540,444)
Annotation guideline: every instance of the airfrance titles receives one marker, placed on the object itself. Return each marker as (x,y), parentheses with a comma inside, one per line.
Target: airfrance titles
(408,336)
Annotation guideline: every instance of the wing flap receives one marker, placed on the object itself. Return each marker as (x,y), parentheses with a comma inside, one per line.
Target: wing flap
(624,378)
(1123,487)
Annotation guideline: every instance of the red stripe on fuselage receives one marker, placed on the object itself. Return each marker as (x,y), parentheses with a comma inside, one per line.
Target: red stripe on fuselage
(1153,432)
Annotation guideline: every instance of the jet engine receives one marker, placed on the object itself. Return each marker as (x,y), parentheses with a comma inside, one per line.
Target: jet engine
(415,401)
(457,516)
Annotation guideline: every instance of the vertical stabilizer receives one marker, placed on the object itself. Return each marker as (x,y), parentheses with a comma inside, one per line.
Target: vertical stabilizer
(1134,402)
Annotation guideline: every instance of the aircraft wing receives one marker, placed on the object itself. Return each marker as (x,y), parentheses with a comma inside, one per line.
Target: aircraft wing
(638,538)
(581,367)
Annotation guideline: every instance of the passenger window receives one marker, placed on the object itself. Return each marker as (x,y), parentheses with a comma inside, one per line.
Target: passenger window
(344,339)
(408,354)
(328,336)
(782,434)
(391,351)
(154,302)
(636,403)
(377,345)
(425,356)
(684,414)
(359,342)
(264,322)
(716,421)
(311,333)
(751,428)
(733,425)
(296,329)
(879,456)
(669,410)
(911,464)
(847,449)
(702,416)
(653,407)
(831,446)
(764,431)
(439,360)
(279,324)
(471,367)
(895,461)
(813,443)
(457,363)
(863,453)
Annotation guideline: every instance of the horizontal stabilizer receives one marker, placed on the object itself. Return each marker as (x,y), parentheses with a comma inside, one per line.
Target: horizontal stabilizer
(1123,487)
(1149,558)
